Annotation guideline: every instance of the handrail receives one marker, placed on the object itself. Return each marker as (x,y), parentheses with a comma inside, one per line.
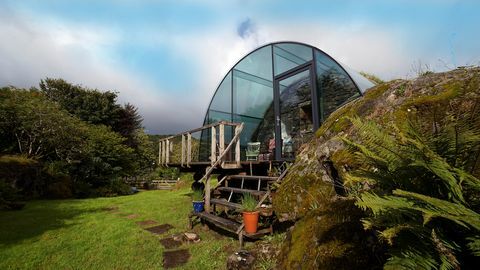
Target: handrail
(220,157)
(235,139)
(201,128)
(165,145)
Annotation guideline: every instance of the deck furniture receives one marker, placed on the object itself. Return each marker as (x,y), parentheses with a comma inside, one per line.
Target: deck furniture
(253,150)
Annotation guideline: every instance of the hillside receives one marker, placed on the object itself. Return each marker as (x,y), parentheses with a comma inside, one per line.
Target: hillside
(391,180)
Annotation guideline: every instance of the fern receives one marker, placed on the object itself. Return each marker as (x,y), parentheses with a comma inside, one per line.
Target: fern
(417,196)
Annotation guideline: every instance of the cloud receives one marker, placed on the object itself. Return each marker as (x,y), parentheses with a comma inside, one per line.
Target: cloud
(246,28)
(35,49)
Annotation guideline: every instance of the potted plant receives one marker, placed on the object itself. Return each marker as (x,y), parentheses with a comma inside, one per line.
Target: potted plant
(197,199)
(250,213)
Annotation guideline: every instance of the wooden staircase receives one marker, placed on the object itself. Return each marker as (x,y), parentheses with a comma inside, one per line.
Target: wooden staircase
(222,209)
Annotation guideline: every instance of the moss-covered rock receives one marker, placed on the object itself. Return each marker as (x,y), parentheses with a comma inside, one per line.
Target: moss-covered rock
(328,232)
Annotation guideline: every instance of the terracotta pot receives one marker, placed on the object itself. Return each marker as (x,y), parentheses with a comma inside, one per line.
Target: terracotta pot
(250,220)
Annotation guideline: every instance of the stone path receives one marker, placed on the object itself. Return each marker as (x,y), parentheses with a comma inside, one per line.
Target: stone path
(172,256)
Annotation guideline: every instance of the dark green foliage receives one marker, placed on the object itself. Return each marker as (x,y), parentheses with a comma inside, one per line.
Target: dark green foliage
(101,108)
(422,198)
(69,133)
(89,105)
(167,173)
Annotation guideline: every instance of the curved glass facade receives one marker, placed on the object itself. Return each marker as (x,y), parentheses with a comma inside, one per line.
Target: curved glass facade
(282,92)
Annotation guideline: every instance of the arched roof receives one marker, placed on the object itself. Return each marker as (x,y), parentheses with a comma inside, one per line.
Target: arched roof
(360,82)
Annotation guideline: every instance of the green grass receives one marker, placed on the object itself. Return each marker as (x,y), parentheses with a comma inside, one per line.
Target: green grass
(81,234)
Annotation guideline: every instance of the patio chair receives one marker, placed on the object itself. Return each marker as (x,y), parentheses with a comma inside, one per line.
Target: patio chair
(253,150)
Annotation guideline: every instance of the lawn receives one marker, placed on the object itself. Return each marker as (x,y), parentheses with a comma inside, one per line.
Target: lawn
(88,234)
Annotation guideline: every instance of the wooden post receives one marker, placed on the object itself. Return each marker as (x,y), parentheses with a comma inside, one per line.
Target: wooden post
(207,194)
(221,140)
(159,152)
(237,146)
(164,150)
(189,149)
(167,159)
(213,146)
(183,150)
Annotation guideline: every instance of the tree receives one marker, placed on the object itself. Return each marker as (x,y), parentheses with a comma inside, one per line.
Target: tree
(89,105)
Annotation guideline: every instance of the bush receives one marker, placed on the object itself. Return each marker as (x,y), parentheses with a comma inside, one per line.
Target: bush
(9,197)
(61,189)
(168,173)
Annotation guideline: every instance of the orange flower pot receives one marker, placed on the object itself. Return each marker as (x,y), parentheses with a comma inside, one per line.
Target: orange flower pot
(250,220)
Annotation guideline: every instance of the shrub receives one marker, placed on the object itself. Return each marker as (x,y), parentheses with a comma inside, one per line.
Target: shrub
(197,195)
(249,203)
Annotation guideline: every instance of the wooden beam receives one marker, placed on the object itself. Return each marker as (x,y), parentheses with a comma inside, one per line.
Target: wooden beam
(189,149)
(167,159)
(207,193)
(159,152)
(221,140)
(229,146)
(238,129)
(213,146)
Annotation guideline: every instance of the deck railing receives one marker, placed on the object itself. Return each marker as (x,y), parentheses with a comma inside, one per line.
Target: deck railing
(214,146)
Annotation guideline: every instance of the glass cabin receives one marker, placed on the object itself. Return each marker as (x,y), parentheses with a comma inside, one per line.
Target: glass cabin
(282,92)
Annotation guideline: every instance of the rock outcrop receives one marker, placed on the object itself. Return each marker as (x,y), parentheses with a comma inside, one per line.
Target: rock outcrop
(328,233)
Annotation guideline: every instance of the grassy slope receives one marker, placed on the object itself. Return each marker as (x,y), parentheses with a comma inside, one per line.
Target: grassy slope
(80,234)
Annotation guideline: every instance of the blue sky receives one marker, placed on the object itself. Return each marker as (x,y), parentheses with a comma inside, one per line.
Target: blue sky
(168,56)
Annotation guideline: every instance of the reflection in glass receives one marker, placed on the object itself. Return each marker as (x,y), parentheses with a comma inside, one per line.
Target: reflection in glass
(288,55)
(246,95)
(333,83)
(222,101)
(258,63)
(295,111)
(253,97)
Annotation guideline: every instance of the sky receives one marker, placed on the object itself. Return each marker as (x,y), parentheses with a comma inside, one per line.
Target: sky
(168,56)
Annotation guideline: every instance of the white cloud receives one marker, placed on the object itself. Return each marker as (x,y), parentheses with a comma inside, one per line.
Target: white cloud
(33,50)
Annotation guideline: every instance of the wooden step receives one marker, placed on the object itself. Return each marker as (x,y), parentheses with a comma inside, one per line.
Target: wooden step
(253,177)
(242,190)
(230,165)
(224,223)
(226,203)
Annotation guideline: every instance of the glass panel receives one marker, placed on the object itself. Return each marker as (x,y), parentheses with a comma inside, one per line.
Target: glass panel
(289,55)
(253,98)
(256,130)
(362,82)
(258,63)
(222,101)
(252,95)
(295,111)
(334,85)
(216,116)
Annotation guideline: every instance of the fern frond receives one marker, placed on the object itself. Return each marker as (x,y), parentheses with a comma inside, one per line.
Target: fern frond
(474,245)
(434,207)
(411,259)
